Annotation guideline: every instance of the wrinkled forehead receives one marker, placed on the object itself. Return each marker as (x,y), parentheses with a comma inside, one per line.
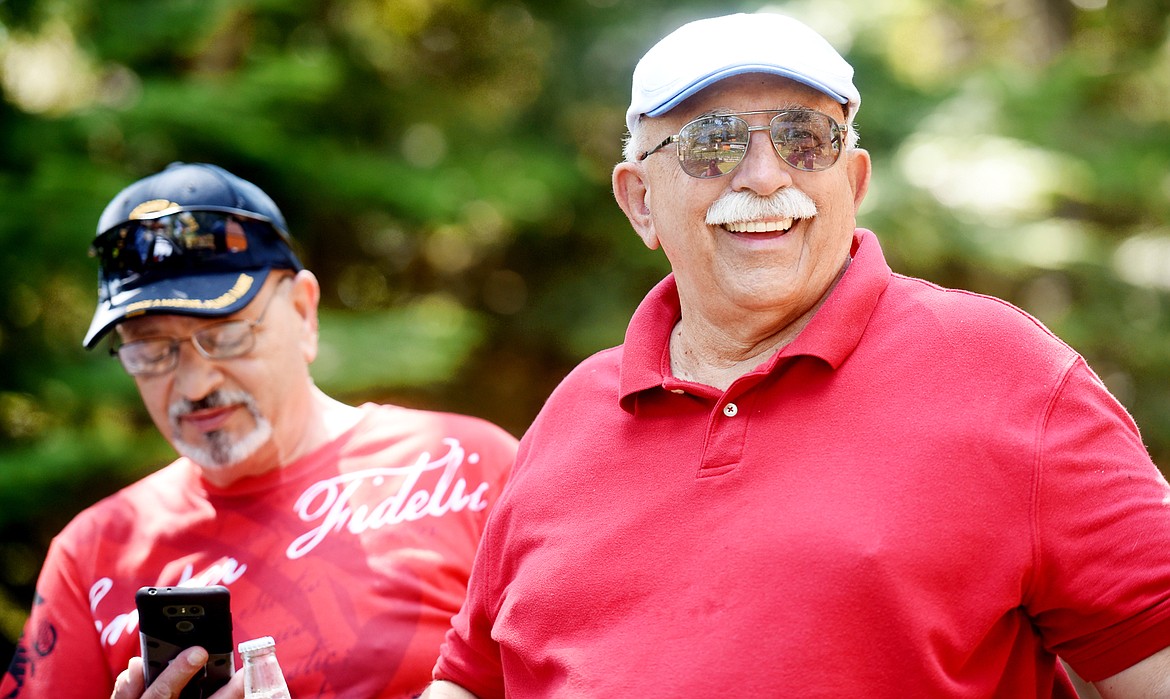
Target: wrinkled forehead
(752,92)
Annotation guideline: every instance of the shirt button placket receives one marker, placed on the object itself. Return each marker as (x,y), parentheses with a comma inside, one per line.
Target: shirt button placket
(725,440)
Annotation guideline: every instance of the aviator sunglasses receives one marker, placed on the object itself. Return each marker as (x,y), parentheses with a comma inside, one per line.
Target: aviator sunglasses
(187,242)
(714,144)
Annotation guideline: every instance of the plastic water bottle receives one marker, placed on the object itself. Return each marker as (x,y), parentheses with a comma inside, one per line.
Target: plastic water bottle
(263,678)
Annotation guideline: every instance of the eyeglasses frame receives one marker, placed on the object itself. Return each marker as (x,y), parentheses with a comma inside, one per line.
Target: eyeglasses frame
(177,342)
(839,136)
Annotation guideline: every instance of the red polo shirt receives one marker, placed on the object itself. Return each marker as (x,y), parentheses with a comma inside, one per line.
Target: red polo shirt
(925,494)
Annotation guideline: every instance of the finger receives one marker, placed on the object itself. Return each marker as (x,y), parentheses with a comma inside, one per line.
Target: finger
(172,680)
(233,689)
(129,682)
(135,668)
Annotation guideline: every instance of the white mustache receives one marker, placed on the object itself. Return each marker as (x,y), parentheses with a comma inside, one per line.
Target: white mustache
(741,206)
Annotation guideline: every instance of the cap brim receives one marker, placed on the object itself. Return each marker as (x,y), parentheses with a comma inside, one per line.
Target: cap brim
(203,295)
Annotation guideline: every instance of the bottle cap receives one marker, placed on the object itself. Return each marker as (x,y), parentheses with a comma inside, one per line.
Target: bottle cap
(256,644)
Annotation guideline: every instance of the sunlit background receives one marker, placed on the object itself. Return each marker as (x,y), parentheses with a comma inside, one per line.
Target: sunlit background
(444,166)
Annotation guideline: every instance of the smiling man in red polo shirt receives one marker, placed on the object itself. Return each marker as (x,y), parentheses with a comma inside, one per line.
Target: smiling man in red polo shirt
(803,474)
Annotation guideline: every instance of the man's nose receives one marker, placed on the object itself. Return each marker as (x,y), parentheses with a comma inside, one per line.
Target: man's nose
(762,171)
(196,376)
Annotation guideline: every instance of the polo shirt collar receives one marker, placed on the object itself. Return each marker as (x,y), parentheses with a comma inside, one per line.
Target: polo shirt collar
(831,335)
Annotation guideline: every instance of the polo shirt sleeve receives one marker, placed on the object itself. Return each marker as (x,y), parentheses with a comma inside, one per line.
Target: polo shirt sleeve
(469,656)
(1100,592)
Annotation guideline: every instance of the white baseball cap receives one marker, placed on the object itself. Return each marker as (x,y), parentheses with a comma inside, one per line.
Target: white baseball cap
(703,52)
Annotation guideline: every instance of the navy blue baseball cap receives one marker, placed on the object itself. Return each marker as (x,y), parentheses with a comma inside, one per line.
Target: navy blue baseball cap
(191,240)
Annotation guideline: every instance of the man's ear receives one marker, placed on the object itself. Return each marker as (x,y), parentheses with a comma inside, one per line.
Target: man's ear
(306,296)
(632,194)
(860,169)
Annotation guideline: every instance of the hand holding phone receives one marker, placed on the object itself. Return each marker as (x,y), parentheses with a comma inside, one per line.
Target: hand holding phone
(172,619)
(129,684)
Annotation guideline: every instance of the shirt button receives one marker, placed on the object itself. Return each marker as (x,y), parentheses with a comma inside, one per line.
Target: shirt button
(730,410)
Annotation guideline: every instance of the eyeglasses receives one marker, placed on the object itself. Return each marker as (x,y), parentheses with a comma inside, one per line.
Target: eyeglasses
(188,241)
(714,144)
(224,340)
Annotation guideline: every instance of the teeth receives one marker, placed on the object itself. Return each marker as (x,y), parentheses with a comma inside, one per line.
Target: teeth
(759,226)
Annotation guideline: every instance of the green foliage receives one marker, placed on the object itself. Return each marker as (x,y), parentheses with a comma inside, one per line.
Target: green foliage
(444,166)
(422,343)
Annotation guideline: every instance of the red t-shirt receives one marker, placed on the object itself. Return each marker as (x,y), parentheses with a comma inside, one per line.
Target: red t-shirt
(353,558)
(925,494)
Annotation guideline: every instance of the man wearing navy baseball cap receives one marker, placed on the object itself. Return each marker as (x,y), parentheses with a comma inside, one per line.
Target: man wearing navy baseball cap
(802,474)
(345,533)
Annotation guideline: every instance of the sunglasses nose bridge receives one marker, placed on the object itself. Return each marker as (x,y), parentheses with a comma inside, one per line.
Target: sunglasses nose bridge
(775,150)
(753,129)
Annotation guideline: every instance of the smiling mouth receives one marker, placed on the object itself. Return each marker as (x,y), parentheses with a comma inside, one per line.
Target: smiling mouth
(759,226)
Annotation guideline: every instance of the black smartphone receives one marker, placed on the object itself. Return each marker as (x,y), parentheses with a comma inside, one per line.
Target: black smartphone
(171,619)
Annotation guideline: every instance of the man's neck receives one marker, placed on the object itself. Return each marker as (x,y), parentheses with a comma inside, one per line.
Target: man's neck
(714,359)
(325,420)
(708,353)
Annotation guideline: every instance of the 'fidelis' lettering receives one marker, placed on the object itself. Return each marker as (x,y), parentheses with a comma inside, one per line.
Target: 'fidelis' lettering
(328,503)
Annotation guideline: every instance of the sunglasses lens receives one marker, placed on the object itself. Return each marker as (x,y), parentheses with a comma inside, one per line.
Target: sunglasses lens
(168,241)
(807,140)
(185,242)
(712,146)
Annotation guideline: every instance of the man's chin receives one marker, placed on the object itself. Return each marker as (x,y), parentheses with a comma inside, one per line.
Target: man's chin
(208,460)
(222,452)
